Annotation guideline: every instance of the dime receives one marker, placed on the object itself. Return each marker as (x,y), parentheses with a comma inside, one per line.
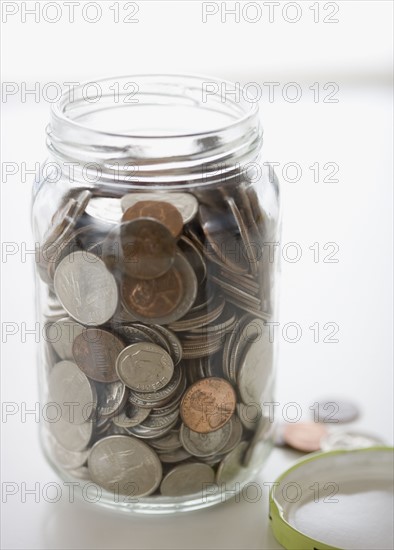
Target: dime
(187,479)
(205,444)
(61,334)
(162,211)
(85,288)
(162,300)
(185,203)
(119,463)
(71,390)
(148,248)
(304,436)
(111,398)
(95,351)
(144,367)
(208,404)
(131,416)
(335,410)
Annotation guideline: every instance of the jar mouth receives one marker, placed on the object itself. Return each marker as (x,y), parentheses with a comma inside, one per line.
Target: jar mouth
(155,126)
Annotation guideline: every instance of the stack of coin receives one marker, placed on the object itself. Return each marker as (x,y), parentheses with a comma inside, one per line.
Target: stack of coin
(157,342)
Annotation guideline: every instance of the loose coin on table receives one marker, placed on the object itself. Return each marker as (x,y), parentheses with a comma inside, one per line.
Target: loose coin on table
(144,367)
(335,411)
(208,404)
(304,436)
(125,465)
(85,288)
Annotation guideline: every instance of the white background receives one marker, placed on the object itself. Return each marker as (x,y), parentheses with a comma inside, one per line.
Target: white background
(355,213)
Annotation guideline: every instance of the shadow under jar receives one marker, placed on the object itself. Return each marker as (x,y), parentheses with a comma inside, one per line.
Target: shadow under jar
(153,220)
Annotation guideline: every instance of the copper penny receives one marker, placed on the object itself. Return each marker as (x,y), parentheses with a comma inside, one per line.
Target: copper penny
(95,351)
(208,404)
(162,300)
(148,248)
(304,436)
(164,212)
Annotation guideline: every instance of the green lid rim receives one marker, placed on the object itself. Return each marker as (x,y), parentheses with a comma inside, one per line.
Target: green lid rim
(286,534)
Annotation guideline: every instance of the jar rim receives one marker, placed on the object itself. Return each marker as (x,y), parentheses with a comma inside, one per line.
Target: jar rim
(57,108)
(164,156)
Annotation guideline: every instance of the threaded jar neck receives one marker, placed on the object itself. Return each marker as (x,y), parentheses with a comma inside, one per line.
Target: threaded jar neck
(156,129)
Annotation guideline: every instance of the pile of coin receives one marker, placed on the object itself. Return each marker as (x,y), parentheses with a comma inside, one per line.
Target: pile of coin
(156,338)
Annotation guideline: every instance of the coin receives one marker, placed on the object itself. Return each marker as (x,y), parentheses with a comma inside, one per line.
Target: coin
(69,460)
(126,465)
(162,300)
(71,390)
(144,367)
(255,369)
(148,248)
(86,289)
(187,479)
(335,410)
(208,404)
(105,209)
(73,437)
(95,351)
(349,440)
(230,470)
(61,334)
(111,398)
(170,457)
(185,203)
(304,436)
(162,211)
(131,416)
(205,444)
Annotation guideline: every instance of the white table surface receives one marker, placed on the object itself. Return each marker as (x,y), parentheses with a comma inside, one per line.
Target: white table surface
(355,293)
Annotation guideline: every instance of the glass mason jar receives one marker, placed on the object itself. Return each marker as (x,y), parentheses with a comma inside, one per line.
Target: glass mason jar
(153,220)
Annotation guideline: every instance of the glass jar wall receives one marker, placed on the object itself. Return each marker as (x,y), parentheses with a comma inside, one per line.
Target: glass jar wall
(154,219)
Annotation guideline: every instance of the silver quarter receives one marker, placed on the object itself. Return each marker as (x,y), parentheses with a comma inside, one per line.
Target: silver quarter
(86,289)
(126,465)
(71,390)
